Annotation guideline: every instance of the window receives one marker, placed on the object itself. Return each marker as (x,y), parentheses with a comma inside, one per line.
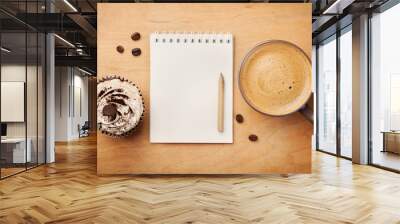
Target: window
(326,96)
(346,75)
(334,109)
(385,89)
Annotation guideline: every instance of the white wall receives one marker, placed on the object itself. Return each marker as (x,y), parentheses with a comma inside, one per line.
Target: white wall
(13,73)
(70,83)
(79,117)
(33,127)
(62,81)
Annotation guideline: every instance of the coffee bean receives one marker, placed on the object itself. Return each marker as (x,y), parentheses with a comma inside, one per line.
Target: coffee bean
(253,138)
(120,49)
(136,52)
(239,118)
(135,36)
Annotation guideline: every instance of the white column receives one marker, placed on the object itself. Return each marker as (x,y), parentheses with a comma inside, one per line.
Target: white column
(360,90)
(50,99)
(50,92)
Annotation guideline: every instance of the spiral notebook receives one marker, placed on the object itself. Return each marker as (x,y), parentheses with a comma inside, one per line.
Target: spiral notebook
(185,70)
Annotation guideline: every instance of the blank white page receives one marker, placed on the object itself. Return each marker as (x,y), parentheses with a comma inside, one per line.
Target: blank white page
(185,70)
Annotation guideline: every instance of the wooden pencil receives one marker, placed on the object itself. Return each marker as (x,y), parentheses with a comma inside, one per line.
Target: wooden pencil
(221,103)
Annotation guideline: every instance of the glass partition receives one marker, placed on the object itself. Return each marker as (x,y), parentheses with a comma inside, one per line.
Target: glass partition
(41,97)
(22,88)
(14,155)
(31,97)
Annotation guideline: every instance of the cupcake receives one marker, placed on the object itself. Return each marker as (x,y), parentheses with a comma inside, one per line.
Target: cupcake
(120,106)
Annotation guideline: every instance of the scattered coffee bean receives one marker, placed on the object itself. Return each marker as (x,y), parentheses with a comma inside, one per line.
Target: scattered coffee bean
(135,36)
(120,49)
(136,52)
(239,118)
(253,138)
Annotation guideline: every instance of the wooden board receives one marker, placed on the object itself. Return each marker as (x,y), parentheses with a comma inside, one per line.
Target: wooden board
(284,143)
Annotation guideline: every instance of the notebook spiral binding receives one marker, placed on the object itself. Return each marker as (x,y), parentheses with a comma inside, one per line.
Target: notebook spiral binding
(191,37)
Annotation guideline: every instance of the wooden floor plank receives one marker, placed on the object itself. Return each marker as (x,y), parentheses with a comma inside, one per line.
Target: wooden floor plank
(69,191)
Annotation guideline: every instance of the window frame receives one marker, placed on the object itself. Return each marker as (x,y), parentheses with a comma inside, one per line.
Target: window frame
(337,35)
(381,9)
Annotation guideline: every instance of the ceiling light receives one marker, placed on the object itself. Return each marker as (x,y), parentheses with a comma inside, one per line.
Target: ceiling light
(5,50)
(79,51)
(65,41)
(337,7)
(84,71)
(70,5)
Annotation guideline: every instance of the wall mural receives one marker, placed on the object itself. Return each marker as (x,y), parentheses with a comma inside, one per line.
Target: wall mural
(200,123)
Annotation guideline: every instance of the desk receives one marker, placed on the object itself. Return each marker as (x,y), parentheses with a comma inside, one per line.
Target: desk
(391,141)
(16,153)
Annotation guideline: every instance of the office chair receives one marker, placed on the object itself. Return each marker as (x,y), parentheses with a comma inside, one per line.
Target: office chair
(84,130)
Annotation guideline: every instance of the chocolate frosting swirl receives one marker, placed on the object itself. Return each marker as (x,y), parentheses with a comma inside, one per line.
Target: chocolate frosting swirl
(120,106)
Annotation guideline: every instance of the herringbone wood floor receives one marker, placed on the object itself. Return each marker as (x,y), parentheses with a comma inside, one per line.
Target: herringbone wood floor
(70,192)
